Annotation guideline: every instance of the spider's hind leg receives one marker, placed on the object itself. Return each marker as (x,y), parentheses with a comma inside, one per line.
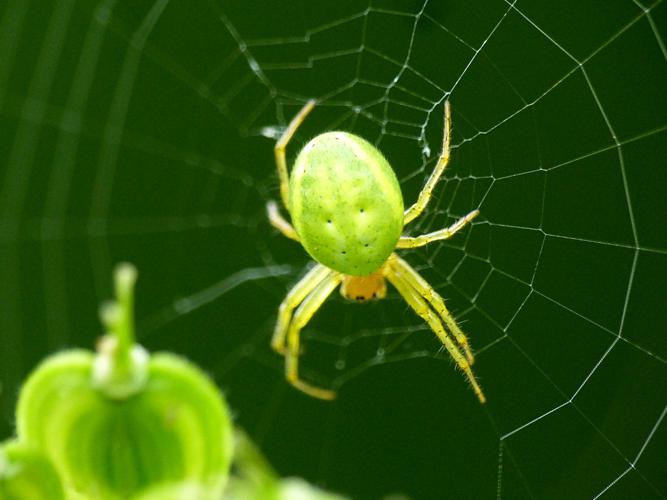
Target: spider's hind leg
(440,234)
(279,222)
(281,144)
(425,195)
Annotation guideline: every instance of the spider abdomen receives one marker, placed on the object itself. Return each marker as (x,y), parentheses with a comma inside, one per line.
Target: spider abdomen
(345,203)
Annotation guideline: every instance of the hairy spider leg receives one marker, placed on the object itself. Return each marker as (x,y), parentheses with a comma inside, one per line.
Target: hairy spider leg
(419,305)
(279,222)
(303,314)
(281,144)
(295,296)
(421,286)
(440,234)
(425,195)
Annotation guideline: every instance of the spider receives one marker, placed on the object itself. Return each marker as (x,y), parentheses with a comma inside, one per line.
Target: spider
(347,211)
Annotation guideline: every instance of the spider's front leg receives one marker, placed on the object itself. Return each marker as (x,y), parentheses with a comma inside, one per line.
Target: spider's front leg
(417,299)
(303,314)
(296,296)
(415,280)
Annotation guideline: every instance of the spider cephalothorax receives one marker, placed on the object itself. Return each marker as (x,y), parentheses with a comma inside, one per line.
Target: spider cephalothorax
(347,210)
(364,288)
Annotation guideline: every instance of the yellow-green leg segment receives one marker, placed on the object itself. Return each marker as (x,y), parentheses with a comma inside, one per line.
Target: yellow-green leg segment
(295,296)
(279,150)
(300,305)
(425,195)
(422,287)
(440,234)
(279,222)
(399,277)
(303,314)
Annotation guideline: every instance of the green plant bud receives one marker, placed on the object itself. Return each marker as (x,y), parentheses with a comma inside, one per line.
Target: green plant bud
(26,474)
(119,421)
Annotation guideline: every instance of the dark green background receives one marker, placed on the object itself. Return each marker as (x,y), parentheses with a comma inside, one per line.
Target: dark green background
(135,130)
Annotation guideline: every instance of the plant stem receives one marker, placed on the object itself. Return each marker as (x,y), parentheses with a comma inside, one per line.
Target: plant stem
(125,277)
(121,364)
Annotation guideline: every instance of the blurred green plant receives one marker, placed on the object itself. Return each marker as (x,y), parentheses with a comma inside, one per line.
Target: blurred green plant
(118,421)
(26,474)
(254,478)
(123,423)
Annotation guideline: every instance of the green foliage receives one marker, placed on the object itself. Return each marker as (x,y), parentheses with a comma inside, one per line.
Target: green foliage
(255,479)
(176,428)
(26,474)
(119,421)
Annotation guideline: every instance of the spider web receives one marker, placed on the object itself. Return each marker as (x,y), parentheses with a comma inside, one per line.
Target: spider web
(144,131)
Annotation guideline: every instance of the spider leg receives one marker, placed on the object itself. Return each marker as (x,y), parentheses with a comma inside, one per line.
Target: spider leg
(419,305)
(425,195)
(294,297)
(421,286)
(279,222)
(440,234)
(281,144)
(303,314)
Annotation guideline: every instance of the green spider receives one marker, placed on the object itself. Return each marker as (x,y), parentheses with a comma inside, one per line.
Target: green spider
(347,209)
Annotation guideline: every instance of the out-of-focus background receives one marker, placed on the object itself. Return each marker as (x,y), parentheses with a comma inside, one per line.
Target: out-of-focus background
(143,131)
